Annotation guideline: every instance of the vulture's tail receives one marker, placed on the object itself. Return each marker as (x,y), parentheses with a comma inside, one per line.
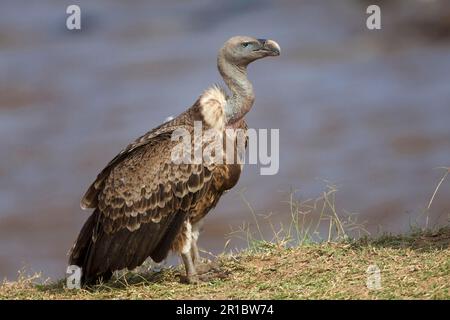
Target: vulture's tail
(83,250)
(99,253)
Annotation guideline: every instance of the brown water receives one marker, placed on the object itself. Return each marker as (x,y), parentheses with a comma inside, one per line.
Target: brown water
(367,110)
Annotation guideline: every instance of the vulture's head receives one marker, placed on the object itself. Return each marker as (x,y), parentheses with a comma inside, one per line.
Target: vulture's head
(241,50)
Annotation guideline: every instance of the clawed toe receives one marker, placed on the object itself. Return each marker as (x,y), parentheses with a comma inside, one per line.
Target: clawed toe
(196,279)
(204,268)
(192,279)
(206,277)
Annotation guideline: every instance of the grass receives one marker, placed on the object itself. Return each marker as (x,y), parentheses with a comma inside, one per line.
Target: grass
(297,263)
(415,266)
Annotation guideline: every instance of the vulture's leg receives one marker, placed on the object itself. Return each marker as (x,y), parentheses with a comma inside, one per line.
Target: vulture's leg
(195,254)
(194,248)
(200,266)
(191,273)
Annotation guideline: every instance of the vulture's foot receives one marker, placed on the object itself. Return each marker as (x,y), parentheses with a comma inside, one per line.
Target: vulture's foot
(205,277)
(192,279)
(205,267)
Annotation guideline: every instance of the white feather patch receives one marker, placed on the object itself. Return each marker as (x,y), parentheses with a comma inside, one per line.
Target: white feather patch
(212,107)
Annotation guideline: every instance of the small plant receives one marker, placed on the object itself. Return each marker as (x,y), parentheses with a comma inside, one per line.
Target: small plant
(314,220)
(311,221)
(439,184)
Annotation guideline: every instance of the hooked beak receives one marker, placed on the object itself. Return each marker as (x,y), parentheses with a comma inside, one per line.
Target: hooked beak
(270,47)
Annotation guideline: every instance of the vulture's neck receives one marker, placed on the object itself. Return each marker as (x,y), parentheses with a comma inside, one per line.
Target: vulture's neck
(241,99)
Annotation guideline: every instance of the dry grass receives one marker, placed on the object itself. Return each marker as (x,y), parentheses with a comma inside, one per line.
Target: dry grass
(312,220)
(416,266)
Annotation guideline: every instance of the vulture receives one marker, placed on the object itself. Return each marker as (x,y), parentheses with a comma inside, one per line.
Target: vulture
(145,204)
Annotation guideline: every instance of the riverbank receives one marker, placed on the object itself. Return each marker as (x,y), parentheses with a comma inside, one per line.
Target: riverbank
(414,266)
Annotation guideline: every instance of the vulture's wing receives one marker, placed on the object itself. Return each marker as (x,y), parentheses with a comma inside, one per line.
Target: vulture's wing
(141,199)
(90,198)
(146,185)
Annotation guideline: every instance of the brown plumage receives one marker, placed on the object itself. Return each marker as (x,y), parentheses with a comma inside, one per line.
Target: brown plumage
(144,204)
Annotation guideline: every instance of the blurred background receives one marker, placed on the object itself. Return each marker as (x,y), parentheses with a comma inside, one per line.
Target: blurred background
(366,110)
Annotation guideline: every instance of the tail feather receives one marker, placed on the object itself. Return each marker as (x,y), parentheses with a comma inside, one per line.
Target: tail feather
(82,251)
(99,253)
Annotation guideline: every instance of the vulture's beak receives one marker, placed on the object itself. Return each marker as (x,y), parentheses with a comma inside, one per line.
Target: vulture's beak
(271,47)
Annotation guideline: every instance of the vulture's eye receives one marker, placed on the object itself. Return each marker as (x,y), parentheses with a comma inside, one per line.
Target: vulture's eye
(246,44)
